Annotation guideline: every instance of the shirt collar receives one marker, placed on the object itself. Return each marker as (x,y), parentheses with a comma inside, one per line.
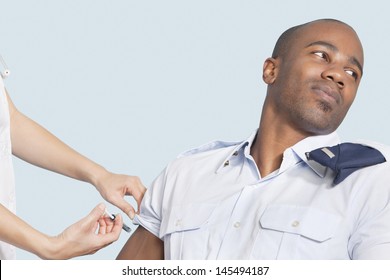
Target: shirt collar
(244,145)
(300,149)
(311,143)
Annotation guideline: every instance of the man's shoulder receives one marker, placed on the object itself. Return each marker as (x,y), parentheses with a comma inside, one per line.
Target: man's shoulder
(383,148)
(208,147)
(380,171)
(207,157)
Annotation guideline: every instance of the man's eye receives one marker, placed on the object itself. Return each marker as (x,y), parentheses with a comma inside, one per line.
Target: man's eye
(351,73)
(321,54)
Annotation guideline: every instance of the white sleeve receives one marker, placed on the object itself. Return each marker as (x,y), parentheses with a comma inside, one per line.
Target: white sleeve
(371,237)
(151,206)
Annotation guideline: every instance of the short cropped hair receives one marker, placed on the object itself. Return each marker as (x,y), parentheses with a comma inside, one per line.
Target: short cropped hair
(287,38)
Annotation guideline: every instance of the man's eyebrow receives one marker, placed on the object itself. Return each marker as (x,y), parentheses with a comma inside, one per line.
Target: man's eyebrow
(324,44)
(353,60)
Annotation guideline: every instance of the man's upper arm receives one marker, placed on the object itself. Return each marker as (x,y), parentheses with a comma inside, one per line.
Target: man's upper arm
(370,238)
(145,242)
(142,245)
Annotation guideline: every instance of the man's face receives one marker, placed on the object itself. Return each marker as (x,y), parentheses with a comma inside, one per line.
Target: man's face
(317,79)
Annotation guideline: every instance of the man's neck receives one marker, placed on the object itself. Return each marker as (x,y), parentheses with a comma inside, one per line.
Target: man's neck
(270,143)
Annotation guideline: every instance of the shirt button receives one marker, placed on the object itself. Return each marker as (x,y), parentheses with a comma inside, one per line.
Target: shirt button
(178,223)
(235,153)
(237,224)
(226,163)
(295,224)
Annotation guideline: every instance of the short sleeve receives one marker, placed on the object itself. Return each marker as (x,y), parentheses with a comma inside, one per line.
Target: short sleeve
(371,237)
(151,206)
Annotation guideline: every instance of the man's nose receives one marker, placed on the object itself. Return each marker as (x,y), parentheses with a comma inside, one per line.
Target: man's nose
(334,74)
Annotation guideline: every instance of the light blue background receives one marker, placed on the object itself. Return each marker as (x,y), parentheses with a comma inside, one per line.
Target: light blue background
(131,84)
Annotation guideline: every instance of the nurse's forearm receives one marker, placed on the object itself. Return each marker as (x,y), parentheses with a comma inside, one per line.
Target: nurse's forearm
(86,236)
(34,144)
(15,231)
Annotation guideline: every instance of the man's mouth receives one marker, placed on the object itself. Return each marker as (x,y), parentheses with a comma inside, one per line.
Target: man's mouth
(327,93)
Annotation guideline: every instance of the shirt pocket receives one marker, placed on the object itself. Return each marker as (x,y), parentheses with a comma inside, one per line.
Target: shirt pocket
(185,231)
(298,232)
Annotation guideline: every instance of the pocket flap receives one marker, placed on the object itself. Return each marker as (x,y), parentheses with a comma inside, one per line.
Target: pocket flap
(186,217)
(309,222)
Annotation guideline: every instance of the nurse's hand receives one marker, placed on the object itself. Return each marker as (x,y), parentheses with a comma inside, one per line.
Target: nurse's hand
(87,236)
(113,188)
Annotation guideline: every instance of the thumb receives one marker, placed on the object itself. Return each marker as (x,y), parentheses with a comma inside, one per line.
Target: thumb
(122,204)
(97,212)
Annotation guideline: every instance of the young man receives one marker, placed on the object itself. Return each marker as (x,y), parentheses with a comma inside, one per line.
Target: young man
(265,197)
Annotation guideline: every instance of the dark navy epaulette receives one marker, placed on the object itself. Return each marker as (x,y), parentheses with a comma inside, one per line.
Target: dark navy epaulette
(346,158)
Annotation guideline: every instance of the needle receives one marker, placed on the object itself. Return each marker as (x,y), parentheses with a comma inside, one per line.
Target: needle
(112,217)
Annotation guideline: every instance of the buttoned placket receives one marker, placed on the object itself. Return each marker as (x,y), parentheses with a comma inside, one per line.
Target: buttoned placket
(238,222)
(240,225)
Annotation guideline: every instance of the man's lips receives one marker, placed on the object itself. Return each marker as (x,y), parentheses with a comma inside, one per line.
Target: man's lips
(327,93)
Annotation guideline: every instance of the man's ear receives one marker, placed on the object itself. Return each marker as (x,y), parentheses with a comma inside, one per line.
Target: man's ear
(270,70)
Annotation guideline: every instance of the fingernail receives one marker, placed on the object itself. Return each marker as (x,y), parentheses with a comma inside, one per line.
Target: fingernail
(131,214)
(102,206)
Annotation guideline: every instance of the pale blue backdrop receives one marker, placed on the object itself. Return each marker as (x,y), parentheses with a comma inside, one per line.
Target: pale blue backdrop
(131,84)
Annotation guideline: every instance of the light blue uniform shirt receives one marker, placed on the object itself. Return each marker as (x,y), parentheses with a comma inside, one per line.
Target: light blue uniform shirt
(211,203)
